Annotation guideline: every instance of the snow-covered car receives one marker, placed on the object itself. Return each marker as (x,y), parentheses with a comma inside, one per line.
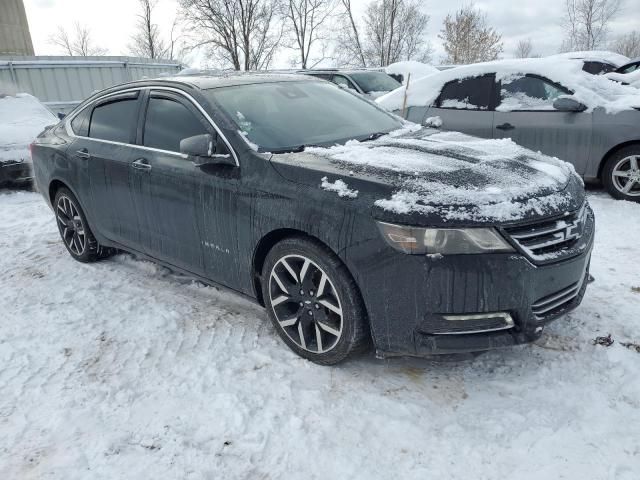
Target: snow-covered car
(401,70)
(370,83)
(346,223)
(595,62)
(547,105)
(22,117)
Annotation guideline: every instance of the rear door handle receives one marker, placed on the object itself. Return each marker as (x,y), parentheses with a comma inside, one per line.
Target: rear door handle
(83,153)
(505,126)
(142,164)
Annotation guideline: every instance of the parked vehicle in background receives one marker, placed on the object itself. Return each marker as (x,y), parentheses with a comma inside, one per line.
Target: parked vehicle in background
(370,83)
(595,62)
(547,105)
(22,118)
(344,222)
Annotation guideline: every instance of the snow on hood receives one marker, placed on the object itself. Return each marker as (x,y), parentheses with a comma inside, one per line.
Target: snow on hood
(416,69)
(592,90)
(596,55)
(457,176)
(22,118)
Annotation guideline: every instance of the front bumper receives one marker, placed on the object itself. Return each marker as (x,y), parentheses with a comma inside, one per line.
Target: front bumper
(411,300)
(15,172)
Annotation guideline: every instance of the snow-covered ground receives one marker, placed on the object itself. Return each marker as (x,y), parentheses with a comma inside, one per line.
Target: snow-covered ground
(123,370)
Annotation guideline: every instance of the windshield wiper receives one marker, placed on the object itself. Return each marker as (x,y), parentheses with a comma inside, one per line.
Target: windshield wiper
(295,149)
(373,136)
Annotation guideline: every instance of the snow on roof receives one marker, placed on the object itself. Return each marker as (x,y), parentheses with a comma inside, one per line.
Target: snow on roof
(592,90)
(416,69)
(22,118)
(458,176)
(597,55)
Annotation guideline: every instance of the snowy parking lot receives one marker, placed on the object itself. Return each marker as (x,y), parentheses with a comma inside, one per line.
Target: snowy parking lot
(122,369)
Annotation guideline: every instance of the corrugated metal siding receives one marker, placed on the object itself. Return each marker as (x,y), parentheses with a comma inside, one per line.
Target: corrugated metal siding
(63,82)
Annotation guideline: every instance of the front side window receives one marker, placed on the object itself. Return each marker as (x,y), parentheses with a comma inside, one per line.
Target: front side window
(285,116)
(167,123)
(630,68)
(528,93)
(114,121)
(467,94)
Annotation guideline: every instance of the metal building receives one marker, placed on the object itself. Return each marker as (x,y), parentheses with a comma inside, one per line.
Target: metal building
(63,82)
(15,38)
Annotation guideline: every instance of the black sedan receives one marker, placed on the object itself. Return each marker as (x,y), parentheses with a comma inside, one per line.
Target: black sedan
(347,224)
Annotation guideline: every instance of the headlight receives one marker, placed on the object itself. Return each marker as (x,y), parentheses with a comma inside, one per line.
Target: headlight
(445,241)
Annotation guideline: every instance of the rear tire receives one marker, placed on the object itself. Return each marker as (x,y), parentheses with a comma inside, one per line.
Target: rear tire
(313,302)
(74,229)
(621,174)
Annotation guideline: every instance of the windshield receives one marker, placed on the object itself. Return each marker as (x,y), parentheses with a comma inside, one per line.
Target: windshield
(374,81)
(287,116)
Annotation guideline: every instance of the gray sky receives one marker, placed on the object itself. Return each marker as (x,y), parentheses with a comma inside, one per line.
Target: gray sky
(112,21)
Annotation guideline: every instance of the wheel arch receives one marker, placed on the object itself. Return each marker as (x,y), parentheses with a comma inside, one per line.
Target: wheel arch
(54,186)
(613,151)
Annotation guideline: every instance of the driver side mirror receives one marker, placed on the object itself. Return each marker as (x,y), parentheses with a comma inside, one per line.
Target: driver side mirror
(206,150)
(568,104)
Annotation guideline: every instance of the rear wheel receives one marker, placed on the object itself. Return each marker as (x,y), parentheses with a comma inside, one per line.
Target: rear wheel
(313,301)
(74,230)
(621,174)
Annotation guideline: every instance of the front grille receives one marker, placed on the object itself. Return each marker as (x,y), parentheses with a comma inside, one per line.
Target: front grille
(552,239)
(556,302)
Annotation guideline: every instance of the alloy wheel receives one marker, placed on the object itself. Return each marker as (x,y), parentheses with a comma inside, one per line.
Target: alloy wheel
(71,225)
(626,175)
(306,303)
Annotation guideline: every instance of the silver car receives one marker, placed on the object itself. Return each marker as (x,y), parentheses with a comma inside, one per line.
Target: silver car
(565,113)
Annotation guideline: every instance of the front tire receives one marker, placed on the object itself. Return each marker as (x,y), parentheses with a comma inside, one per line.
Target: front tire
(621,174)
(313,302)
(74,229)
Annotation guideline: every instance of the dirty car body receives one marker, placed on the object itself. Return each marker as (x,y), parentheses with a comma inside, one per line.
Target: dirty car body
(218,221)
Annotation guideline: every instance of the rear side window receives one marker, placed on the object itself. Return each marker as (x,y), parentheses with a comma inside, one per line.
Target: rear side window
(80,123)
(168,122)
(597,68)
(340,80)
(114,121)
(467,94)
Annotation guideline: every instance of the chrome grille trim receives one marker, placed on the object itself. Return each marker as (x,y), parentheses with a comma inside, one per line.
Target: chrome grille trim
(547,240)
(556,300)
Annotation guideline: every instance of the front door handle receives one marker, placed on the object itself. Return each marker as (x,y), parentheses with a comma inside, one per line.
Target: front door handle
(142,164)
(83,153)
(505,126)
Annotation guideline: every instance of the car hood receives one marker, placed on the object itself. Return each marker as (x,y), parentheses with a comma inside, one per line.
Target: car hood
(420,176)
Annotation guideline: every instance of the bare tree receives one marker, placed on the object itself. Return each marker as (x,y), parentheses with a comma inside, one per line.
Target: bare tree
(76,43)
(146,41)
(468,39)
(587,23)
(242,34)
(524,49)
(628,45)
(349,45)
(394,31)
(307,20)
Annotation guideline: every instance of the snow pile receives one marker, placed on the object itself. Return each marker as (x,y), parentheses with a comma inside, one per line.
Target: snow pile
(339,187)
(435,122)
(596,55)
(194,383)
(416,69)
(458,176)
(22,118)
(631,78)
(592,90)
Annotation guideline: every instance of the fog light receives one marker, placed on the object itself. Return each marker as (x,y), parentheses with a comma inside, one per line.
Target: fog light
(474,323)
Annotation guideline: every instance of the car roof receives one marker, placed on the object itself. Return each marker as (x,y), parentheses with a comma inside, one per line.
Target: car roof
(206,81)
